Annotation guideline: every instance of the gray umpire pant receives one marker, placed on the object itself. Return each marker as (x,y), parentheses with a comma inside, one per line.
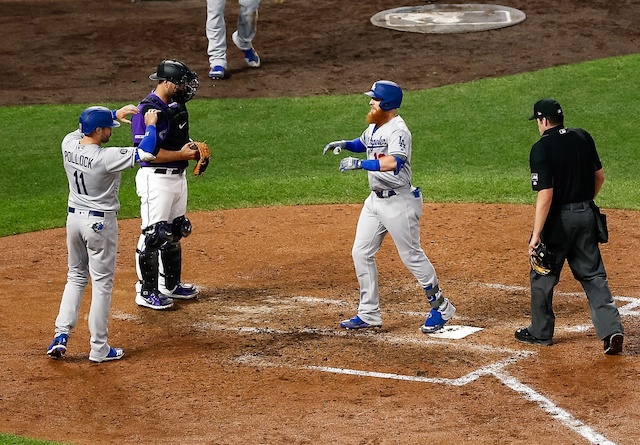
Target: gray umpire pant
(583,255)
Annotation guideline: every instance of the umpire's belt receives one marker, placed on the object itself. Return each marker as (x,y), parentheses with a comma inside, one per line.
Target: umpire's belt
(385,193)
(91,212)
(584,205)
(169,171)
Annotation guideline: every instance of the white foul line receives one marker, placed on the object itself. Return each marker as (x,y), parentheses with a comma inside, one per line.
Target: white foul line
(494,369)
(551,408)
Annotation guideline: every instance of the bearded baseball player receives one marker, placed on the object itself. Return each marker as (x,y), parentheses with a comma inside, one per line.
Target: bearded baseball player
(94,174)
(162,188)
(394,206)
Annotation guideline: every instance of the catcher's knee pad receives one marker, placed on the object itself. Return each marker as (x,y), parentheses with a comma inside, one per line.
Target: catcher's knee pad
(171,267)
(181,228)
(434,295)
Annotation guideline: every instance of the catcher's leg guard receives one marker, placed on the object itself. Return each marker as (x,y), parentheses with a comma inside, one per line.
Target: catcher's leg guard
(170,266)
(153,238)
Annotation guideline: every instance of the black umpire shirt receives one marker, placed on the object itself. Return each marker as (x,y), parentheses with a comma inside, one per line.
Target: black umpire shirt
(566,160)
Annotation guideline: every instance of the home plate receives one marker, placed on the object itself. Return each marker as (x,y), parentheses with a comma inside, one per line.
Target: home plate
(455,332)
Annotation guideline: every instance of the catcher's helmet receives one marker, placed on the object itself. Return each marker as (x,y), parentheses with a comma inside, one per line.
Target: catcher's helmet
(389,93)
(96,117)
(177,72)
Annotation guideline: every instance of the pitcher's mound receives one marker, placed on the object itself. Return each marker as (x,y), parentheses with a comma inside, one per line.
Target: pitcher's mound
(443,19)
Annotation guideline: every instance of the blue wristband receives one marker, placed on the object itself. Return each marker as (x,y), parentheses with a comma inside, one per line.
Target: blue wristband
(371,165)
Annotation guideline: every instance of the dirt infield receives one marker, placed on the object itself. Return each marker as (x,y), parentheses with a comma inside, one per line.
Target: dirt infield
(258,357)
(251,360)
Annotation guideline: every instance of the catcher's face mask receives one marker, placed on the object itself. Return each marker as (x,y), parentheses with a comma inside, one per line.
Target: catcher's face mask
(186,88)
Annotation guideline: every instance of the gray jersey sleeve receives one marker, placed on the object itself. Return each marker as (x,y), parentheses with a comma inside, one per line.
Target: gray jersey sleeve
(118,158)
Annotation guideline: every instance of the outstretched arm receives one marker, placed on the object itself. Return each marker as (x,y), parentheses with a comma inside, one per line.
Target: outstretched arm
(122,113)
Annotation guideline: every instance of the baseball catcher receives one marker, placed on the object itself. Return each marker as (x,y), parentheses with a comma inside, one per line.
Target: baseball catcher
(204,156)
(541,260)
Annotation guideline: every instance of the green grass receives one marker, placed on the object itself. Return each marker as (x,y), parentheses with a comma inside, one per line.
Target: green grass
(8,439)
(470,144)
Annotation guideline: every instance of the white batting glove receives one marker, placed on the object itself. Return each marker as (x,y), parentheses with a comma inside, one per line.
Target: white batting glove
(337,147)
(350,164)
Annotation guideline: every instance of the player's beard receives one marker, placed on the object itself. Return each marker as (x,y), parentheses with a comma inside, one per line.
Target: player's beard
(376,116)
(105,135)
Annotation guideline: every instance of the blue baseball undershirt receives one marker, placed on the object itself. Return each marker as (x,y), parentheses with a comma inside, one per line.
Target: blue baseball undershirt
(371,165)
(355,146)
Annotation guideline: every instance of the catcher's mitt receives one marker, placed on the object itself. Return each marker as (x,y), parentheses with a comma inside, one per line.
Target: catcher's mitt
(541,260)
(204,155)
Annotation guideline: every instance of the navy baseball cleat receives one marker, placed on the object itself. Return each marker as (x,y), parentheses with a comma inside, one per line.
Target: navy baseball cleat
(357,323)
(58,346)
(155,300)
(183,291)
(251,57)
(613,344)
(114,354)
(217,72)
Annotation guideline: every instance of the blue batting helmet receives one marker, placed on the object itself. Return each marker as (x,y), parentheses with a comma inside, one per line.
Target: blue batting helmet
(96,117)
(389,93)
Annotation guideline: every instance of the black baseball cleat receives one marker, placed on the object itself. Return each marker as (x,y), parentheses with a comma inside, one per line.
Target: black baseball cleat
(525,336)
(613,344)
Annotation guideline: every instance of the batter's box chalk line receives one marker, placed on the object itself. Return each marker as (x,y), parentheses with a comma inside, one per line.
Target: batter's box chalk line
(630,309)
(495,369)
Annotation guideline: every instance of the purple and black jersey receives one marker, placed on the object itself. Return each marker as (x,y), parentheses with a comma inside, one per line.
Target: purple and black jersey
(172,128)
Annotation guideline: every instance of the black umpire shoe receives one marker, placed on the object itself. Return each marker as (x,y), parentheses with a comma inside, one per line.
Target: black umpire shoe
(525,336)
(613,344)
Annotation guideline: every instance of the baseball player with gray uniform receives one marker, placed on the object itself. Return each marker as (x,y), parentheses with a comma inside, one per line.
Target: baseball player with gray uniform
(94,174)
(216,30)
(394,206)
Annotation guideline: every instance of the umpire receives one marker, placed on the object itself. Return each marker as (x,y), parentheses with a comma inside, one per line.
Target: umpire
(567,174)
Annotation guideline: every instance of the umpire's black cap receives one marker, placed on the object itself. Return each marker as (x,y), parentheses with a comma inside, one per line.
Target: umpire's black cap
(546,108)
